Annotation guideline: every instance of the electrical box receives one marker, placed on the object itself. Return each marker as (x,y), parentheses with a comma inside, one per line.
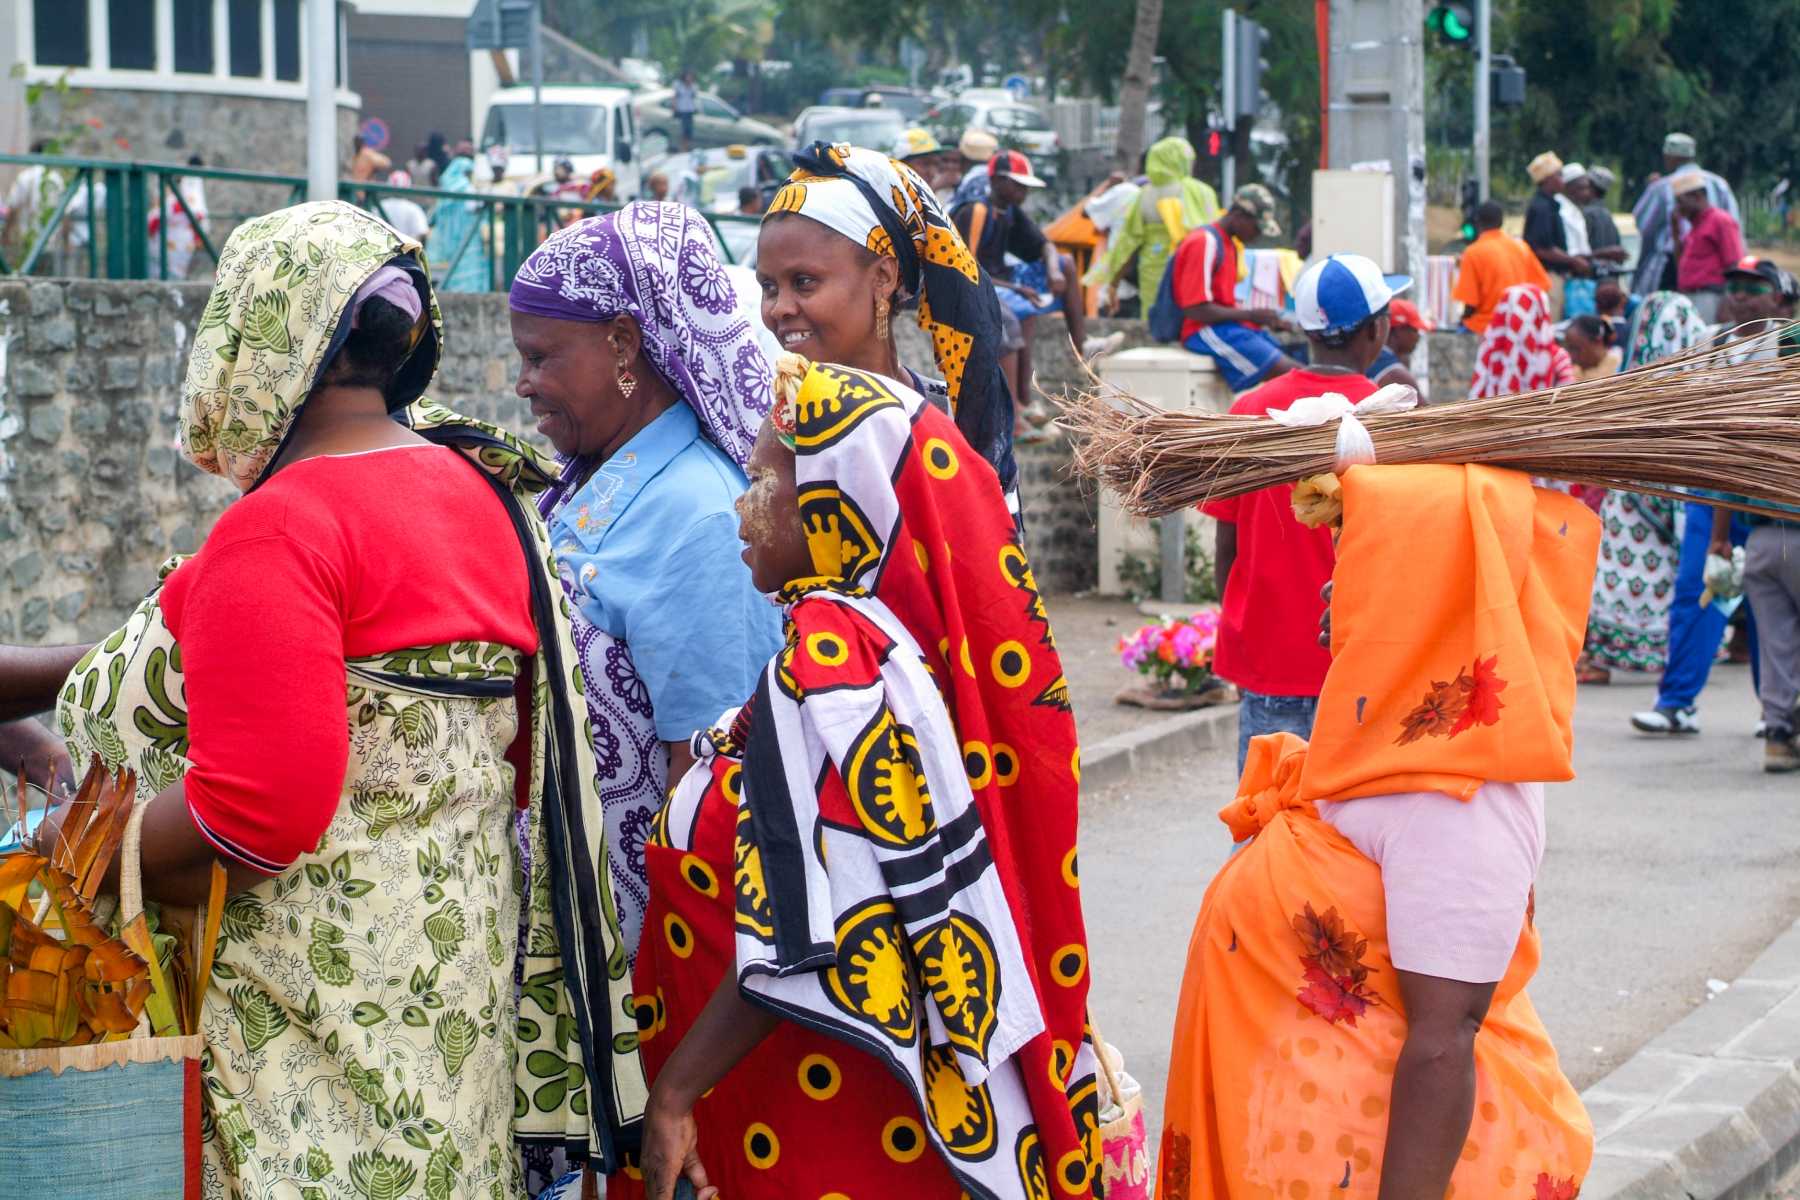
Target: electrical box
(1353,213)
(1173,378)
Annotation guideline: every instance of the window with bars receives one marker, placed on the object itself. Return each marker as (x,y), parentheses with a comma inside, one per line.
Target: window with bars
(193,36)
(60,33)
(131,34)
(287,40)
(246,37)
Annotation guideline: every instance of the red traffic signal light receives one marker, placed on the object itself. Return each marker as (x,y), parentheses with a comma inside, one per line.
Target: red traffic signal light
(1215,143)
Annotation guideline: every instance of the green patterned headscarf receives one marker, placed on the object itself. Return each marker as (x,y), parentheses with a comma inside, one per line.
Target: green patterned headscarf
(1667,323)
(277,313)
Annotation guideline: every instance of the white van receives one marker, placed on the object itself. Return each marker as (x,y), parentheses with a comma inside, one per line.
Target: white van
(594,126)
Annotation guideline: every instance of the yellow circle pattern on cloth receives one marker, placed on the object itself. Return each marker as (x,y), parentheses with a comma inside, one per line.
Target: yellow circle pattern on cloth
(1012,664)
(761,1146)
(679,936)
(820,1077)
(940,459)
(903,1139)
(1070,965)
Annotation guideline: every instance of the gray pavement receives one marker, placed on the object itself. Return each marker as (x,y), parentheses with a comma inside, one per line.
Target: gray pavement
(1669,864)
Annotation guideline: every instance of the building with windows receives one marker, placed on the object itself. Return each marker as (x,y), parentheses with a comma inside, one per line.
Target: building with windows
(161,80)
(415,76)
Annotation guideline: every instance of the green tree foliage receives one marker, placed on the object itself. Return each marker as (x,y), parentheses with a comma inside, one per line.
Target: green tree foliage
(1607,81)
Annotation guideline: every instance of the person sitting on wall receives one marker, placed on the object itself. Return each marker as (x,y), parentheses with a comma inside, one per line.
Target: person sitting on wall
(1205,285)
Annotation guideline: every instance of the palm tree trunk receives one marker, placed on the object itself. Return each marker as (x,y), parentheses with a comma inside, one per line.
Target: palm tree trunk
(1134,92)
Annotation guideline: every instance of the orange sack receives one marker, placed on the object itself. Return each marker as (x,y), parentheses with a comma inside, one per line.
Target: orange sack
(1459,606)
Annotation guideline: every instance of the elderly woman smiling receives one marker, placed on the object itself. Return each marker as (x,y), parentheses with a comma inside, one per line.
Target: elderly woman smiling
(642,369)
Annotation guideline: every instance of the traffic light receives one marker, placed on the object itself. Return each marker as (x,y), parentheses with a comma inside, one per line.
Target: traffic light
(1471,198)
(1252,40)
(1215,142)
(1451,22)
(1506,82)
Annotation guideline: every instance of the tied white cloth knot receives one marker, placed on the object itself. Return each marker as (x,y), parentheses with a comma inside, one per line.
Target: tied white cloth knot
(1355,447)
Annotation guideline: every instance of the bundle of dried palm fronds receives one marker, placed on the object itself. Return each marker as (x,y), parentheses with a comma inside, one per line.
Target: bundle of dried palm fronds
(1696,421)
(65,980)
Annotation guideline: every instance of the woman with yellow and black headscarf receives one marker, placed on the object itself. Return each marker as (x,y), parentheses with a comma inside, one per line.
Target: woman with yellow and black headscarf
(851,237)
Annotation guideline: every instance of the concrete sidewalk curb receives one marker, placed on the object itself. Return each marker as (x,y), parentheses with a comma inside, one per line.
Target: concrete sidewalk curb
(1710,1108)
(1116,758)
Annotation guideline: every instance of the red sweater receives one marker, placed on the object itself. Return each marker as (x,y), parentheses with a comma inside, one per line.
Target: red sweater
(332,558)
(1269,626)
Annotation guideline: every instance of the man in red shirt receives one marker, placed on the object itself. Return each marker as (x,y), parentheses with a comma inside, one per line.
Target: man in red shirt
(1712,245)
(1270,568)
(1205,286)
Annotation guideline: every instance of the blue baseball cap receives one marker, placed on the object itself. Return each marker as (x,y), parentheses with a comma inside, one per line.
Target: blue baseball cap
(1343,291)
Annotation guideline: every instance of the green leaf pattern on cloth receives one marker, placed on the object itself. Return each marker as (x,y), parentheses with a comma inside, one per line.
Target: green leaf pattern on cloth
(282,283)
(353,1024)
(546,1022)
(362,1004)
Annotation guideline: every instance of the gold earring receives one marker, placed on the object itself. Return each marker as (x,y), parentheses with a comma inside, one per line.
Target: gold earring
(627,383)
(881,317)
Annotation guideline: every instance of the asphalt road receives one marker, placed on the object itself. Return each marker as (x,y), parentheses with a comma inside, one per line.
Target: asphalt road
(1669,863)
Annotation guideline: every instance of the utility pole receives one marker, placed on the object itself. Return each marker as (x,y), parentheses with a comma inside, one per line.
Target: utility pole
(537,86)
(1228,106)
(1484,49)
(321,100)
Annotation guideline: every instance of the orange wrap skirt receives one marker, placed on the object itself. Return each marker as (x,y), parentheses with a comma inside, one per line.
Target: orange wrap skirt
(1290,1025)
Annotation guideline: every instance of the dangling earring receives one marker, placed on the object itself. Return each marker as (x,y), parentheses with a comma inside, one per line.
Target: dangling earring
(881,317)
(627,383)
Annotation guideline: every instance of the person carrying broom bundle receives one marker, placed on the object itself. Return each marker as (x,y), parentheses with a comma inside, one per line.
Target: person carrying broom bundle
(1356,978)
(1354,1018)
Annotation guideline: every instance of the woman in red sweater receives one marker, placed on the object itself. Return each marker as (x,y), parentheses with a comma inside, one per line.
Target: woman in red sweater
(325,699)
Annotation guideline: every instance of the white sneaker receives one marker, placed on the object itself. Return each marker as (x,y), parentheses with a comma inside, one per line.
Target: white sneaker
(1667,720)
(1095,346)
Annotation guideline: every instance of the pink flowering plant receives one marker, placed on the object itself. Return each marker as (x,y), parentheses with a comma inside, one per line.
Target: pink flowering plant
(1176,652)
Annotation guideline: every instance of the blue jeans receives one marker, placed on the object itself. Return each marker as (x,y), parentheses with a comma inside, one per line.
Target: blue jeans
(1259,714)
(1695,632)
(1034,276)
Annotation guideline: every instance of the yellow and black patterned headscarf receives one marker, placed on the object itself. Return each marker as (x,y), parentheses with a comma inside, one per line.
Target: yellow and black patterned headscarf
(884,206)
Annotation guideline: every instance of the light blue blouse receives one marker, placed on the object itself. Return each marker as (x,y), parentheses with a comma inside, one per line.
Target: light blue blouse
(649,545)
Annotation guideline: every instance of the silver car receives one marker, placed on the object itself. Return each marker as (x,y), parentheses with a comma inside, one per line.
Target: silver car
(871,128)
(716,123)
(1014,124)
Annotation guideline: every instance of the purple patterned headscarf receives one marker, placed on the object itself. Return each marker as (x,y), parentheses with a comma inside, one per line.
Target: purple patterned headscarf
(656,261)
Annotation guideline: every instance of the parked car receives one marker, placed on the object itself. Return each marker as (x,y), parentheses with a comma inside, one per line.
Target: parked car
(1014,124)
(594,126)
(910,104)
(874,128)
(709,180)
(716,123)
(986,95)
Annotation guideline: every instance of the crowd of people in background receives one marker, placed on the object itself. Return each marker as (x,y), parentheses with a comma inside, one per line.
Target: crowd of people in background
(1556,304)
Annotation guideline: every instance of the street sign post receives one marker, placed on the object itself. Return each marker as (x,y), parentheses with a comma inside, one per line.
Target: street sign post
(514,25)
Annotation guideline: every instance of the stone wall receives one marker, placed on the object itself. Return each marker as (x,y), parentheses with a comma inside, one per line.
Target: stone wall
(1452,365)
(94,496)
(248,133)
